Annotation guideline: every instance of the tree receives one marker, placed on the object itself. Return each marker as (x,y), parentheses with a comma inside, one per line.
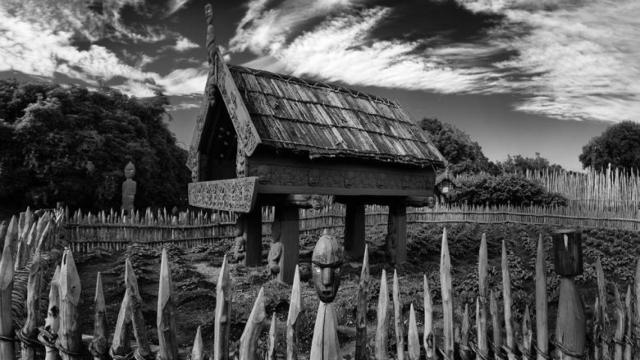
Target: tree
(520,164)
(71,145)
(618,145)
(463,154)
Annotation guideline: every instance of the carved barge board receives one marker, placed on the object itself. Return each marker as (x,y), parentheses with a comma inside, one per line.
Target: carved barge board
(238,195)
(295,176)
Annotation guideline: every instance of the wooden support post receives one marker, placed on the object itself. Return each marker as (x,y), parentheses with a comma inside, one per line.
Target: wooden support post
(99,346)
(571,325)
(481,303)
(354,230)
(223,311)
(286,229)
(397,318)
(428,335)
(542,332)
(324,344)
(29,331)
(197,352)
(602,331)
(628,301)
(361,311)
(447,297)
(7,350)
(143,351)
(69,336)
(166,316)
(413,339)
(295,307)
(52,322)
(253,233)
(396,240)
(251,333)
(507,303)
(636,312)
(383,314)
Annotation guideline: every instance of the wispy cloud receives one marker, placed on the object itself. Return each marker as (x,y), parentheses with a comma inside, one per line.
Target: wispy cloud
(184,44)
(567,59)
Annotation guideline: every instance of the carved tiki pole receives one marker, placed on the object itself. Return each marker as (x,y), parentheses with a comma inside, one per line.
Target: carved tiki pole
(571,325)
(327,260)
(129,188)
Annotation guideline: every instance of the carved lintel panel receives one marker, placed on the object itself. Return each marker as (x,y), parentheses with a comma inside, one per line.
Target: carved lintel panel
(238,195)
(245,130)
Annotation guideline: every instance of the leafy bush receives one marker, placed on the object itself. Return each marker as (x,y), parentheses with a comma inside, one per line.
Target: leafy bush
(504,189)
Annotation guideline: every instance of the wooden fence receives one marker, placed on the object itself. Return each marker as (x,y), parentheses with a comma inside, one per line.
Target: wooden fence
(492,337)
(114,231)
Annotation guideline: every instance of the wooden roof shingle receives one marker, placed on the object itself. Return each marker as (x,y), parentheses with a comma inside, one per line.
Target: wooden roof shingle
(331,121)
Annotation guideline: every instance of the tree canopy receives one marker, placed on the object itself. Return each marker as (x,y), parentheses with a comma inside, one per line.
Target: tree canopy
(520,164)
(71,145)
(463,154)
(618,145)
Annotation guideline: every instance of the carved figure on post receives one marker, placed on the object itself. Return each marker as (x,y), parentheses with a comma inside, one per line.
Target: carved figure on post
(326,260)
(129,187)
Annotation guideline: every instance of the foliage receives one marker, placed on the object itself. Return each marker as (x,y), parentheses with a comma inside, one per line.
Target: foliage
(618,145)
(71,145)
(520,164)
(463,154)
(514,189)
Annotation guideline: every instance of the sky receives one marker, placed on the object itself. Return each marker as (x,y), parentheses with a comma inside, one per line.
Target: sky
(519,76)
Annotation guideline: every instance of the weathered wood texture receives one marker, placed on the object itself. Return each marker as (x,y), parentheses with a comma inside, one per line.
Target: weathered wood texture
(222,313)
(361,310)
(238,195)
(166,315)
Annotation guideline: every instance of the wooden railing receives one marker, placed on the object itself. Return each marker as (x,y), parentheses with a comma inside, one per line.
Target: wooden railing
(487,339)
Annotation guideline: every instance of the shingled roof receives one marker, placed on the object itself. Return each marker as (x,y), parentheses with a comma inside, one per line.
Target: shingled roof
(331,121)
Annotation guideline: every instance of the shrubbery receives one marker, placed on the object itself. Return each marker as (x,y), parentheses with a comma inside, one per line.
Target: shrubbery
(484,189)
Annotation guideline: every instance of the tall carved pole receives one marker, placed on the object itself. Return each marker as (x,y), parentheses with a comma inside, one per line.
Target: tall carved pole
(571,325)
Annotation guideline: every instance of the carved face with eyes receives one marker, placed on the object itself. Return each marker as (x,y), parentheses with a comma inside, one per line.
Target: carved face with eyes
(326,260)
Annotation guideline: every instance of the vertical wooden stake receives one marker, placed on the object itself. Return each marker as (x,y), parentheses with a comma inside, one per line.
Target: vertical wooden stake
(447,297)
(542,334)
(69,337)
(271,350)
(120,344)
(99,346)
(29,330)
(223,311)
(197,352)
(527,334)
(383,313)
(481,304)
(618,337)
(7,350)
(249,338)
(324,344)
(397,318)
(166,320)
(52,322)
(413,339)
(602,310)
(628,349)
(495,324)
(636,312)
(465,351)
(137,319)
(597,330)
(428,339)
(507,302)
(295,306)
(361,311)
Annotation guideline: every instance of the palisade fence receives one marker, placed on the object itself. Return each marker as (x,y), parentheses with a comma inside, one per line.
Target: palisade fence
(493,334)
(112,230)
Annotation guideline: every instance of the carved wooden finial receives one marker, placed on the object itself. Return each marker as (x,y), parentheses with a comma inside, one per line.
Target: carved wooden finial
(168,349)
(211,33)
(223,311)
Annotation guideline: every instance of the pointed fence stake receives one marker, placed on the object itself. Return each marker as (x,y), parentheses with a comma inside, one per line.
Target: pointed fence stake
(542,332)
(527,334)
(251,333)
(618,337)
(99,346)
(495,324)
(7,350)
(413,339)
(197,352)
(49,332)
(636,312)
(397,318)
(223,311)
(69,336)
(602,310)
(295,306)
(271,350)
(168,349)
(507,302)
(361,311)
(628,349)
(465,350)
(482,352)
(29,332)
(120,345)
(143,350)
(428,339)
(447,297)
(383,319)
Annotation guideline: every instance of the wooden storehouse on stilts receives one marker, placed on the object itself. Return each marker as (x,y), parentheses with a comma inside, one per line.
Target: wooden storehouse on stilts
(270,139)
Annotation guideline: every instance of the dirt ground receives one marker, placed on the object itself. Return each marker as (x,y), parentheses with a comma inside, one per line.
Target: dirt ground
(195,270)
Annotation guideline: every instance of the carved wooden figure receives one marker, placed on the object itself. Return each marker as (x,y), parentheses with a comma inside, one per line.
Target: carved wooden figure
(326,260)
(129,188)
